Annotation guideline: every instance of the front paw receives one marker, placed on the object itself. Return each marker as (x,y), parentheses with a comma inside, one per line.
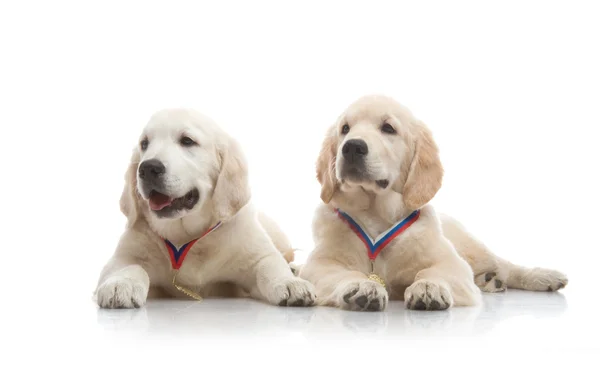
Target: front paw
(292,292)
(121,292)
(427,295)
(364,295)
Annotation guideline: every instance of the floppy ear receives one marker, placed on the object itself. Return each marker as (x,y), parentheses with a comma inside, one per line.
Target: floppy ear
(326,168)
(130,197)
(425,172)
(232,190)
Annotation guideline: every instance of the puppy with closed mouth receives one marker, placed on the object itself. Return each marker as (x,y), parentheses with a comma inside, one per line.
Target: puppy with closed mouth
(192,230)
(376,235)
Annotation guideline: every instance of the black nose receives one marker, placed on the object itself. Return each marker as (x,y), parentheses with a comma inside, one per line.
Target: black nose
(354,150)
(151,169)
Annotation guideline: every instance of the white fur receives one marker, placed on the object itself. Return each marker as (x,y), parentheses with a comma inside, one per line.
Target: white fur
(247,256)
(435,263)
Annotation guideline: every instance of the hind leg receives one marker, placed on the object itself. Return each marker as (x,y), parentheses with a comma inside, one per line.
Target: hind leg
(489,276)
(535,279)
(494,274)
(490,282)
(295,268)
(278,237)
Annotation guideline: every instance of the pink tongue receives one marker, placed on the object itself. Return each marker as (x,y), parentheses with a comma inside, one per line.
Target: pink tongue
(159,201)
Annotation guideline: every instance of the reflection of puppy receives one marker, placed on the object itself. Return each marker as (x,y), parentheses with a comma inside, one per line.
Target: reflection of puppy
(185,178)
(227,319)
(218,318)
(379,168)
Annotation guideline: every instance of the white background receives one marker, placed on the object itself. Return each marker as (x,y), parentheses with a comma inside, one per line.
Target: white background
(509,89)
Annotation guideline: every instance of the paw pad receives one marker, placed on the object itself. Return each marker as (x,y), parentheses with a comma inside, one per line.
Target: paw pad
(490,282)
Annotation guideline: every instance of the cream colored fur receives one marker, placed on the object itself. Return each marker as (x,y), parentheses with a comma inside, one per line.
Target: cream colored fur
(247,256)
(434,264)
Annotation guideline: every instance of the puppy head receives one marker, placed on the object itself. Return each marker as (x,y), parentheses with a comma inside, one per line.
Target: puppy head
(376,145)
(182,162)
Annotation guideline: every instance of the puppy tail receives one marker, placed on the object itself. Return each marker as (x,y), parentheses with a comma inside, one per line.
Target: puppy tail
(495,274)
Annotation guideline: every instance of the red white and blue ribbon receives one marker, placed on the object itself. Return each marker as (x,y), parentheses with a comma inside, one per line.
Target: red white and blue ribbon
(374,246)
(177,255)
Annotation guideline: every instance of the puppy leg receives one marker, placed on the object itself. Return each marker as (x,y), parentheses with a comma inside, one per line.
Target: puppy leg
(277,236)
(486,270)
(492,281)
(535,279)
(125,288)
(494,274)
(275,283)
(123,282)
(341,287)
(295,268)
(441,287)
(448,282)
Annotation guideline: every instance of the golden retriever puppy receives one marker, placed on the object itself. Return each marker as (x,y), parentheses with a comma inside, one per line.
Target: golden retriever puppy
(192,230)
(376,236)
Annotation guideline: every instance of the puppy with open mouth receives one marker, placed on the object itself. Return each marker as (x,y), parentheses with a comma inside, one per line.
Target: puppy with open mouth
(376,234)
(192,230)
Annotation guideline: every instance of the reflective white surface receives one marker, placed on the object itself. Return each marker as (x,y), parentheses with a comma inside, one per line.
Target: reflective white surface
(538,312)
(514,338)
(535,337)
(516,329)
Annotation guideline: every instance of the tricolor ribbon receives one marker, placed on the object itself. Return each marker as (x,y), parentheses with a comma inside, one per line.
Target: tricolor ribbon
(177,255)
(374,246)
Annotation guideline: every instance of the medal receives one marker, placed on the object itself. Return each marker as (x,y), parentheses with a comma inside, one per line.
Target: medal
(186,291)
(375,246)
(177,256)
(375,277)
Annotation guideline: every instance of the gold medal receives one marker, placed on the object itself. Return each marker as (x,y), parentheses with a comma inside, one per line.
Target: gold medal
(177,255)
(376,278)
(186,291)
(374,246)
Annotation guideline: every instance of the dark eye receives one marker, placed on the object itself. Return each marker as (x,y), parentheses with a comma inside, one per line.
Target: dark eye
(345,129)
(186,141)
(144,144)
(387,128)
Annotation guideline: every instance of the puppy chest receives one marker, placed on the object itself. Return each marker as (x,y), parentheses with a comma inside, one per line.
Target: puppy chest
(397,263)
(192,275)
